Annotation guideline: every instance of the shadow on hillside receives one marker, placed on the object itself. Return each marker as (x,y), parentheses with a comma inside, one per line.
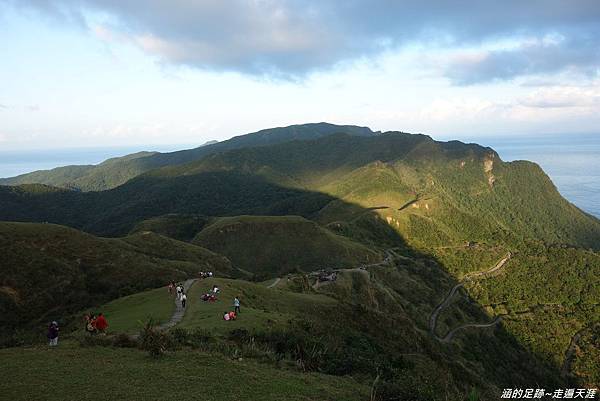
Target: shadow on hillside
(493,351)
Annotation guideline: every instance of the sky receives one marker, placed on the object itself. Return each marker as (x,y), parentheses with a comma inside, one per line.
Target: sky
(85,73)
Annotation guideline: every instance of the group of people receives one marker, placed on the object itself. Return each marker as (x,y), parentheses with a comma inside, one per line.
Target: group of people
(202,275)
(95,324)
(179,291)
(212,295)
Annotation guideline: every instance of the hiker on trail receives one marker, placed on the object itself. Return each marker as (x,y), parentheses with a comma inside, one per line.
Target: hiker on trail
(236,304)
(171,287)
(210,274)
(183,299)
(179,291)
(101,323)
(53,334)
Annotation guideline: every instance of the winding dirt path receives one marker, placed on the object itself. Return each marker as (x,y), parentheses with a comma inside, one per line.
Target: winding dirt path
(434,316)
(448,337)
(566,367)
(436,312)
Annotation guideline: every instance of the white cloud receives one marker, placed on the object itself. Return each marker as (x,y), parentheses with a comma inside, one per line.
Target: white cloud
(587,97)
(293,38)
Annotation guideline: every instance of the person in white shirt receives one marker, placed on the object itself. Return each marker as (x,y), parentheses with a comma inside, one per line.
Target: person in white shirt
(183,299)
(179,292)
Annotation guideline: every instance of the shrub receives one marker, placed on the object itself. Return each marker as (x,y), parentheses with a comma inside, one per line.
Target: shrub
(155,341)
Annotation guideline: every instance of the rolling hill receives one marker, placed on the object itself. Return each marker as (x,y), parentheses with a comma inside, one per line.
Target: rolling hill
(48,270)
(276,245)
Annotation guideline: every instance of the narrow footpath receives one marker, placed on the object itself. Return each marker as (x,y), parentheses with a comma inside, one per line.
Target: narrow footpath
(179,310)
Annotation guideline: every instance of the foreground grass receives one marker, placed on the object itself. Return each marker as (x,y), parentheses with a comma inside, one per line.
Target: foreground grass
(72,372)
(127,314)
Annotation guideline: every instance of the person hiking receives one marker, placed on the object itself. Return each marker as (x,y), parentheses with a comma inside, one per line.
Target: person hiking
(236,305)
(53,334)
(171,287)
(101,323)
(183,299)
(179,291)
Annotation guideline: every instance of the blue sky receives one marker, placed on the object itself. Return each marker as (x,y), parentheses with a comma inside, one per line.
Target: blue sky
(131,72)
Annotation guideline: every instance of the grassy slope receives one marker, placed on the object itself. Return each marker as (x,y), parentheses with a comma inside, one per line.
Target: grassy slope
(274,245)
(127,314)
(70,372)
(50,270)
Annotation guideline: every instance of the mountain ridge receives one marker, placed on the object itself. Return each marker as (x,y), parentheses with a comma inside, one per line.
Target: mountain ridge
(118,170)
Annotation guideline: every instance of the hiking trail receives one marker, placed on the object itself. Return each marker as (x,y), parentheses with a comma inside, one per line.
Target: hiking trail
(436,312)
(179,311)
(274,283)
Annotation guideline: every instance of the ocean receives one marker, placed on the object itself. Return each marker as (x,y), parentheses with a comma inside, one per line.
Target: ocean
(571,161)
(15,162)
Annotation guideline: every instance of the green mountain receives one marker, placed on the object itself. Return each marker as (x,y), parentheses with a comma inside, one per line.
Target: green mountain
(473,268)
(433,193)
(116,171)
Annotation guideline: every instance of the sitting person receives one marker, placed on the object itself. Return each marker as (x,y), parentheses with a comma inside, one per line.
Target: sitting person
(232,315)
(216,289)
(90,326)
(205,297)
(101,323)
(212,298)
(226,316)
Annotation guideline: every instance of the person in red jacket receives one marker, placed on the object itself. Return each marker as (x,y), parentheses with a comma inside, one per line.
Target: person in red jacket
(101,323)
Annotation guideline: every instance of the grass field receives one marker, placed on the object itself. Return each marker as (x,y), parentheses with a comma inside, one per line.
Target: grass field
(72,372)
(125,315)
(261,307)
